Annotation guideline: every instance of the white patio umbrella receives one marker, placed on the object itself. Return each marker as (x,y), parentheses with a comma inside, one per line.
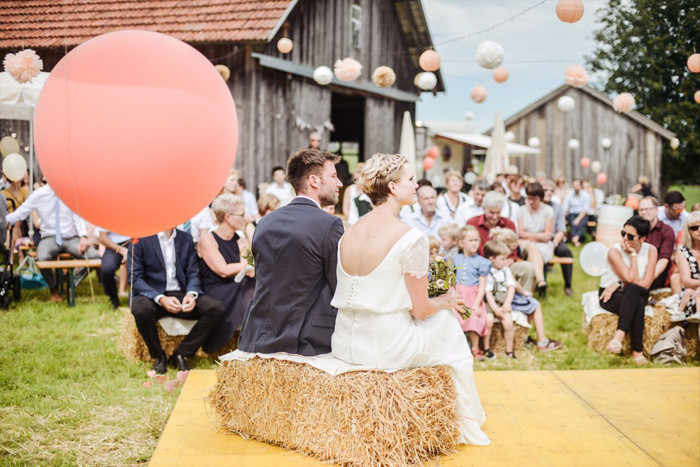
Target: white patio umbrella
(496,155)
(407,143)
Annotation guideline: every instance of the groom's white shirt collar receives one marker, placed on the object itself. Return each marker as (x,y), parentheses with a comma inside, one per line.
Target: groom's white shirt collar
(315,202)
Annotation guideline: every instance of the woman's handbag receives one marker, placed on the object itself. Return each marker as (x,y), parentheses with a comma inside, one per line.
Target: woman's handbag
(29,275)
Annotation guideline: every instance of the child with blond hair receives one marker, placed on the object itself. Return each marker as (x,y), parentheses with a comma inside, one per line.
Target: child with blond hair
(449,239)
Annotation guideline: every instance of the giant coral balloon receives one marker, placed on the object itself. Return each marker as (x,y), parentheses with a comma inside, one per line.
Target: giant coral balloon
(500,75)
(694,63)
(569,11)
(148,131)
(429,60)
(601,178)
(576,76)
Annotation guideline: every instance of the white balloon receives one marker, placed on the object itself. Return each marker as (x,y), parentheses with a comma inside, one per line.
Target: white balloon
(606,143)
(14,167)
(510,136)
(489,54)
(596,167)
(469,115)
(593,259)
(675,142)
(534,142)
(427,81)
(574,144)
(566,103)
(323,75)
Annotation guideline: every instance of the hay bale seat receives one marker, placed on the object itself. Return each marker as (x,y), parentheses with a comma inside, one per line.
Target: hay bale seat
(360,418)
(134,348)
(498,341)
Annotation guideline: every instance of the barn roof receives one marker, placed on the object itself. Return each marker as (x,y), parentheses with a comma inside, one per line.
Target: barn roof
(601,96)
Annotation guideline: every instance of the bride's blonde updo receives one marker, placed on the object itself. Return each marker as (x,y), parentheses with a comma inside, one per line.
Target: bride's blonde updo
(379,171)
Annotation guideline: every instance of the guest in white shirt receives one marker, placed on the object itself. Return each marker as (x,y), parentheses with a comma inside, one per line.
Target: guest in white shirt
(453,198)
(673,213)
(576,206)
(279,187)
(473,208)
(428,220)
(61,231)
(235,185)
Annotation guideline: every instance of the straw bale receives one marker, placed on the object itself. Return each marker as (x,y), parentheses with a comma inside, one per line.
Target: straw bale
(498,341)
(692,340)
(359,418)
(602,328)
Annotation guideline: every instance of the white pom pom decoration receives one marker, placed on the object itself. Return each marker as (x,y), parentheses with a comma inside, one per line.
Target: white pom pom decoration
(566,103)
(469,115)
(323,75)
(574,144)
(596,167)
(509,136)
(489,55)
(534,142)
(606,143)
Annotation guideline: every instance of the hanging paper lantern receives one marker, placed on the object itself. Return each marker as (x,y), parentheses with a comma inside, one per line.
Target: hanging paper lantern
(574,144)
(347,69)
(569,11)
(585,162)
(694,63)
(224,71)
(596,167)
(533,142)
(697,97)
(601,178)
(426,80)
(623,103)
(576,76)
(489,54)
(479,94)
(383,76)
(323,75)
(285,45)
(566,103)
(500,75)
(23,66)
(469,115)
(606,143)
(428,163)
(8,145)
(675,142)
(432,152)
(14,167)
(429,60)
(509,136)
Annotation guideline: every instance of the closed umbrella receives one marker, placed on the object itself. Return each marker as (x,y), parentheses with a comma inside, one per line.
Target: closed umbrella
(496,156)
(407,143)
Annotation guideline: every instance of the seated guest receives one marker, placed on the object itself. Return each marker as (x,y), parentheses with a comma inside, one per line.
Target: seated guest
(624,286)
(536,231)
(427,220)
(661,236)
(238,186)
(61,231)
(166,283)
(674,213)
(116,252)
(280,187)
(493,202)
(410,210)
(515,186)
(560,190)
(198,225)
(220,263)
(560,247)
(472,206)
(266,204)
(450,235)
(510,209)
(449,201)
(576,206)
(688,265)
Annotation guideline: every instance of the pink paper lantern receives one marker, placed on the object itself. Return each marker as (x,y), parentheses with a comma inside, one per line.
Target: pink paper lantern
(576,76)
(479,94)
(432,152)
(585,162)
(694,63)
(623,103)
(285,45)
(601,178)
(428,163)
(500,75)
(429,60)
(569,11)
(697,97)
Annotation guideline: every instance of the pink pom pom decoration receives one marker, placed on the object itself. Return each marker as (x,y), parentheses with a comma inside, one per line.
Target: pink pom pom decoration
(500,75)
(347,69)
(623,103)
(479,94)
(23,66)
(576,76)
(429,60)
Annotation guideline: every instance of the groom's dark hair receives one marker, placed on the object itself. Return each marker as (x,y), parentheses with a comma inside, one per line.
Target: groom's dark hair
(305,162)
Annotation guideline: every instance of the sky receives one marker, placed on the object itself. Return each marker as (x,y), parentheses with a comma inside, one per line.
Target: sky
(538,46)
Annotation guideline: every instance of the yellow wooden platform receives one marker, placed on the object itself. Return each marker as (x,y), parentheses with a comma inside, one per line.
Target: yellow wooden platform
(606,417)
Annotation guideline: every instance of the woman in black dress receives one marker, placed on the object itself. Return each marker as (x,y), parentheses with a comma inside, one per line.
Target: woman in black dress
(220,263)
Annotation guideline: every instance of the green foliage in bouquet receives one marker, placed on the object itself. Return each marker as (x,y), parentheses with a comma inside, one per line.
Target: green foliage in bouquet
(442,277)
(247,255)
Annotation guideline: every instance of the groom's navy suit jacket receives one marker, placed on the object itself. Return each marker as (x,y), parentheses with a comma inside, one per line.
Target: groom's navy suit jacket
(149,266)
(296,253)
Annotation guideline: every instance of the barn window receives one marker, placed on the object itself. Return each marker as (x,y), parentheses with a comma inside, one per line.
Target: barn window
(356,26)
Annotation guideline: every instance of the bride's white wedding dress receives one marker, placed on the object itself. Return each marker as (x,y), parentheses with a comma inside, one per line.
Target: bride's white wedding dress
(375,328)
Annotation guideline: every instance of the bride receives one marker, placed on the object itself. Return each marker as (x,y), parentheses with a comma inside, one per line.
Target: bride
(385,318)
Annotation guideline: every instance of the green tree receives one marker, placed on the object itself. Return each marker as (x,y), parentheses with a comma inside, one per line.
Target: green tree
(642,47)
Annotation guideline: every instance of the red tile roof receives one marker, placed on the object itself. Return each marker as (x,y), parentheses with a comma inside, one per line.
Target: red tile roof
(52,23)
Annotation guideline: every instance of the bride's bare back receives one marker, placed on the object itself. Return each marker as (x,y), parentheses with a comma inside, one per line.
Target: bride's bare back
(365,245)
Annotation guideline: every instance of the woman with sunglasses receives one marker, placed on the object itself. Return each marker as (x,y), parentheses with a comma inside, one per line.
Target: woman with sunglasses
(624,286)
(688,259)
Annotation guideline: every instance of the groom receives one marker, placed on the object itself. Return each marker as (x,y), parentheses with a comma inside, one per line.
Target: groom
(296,252)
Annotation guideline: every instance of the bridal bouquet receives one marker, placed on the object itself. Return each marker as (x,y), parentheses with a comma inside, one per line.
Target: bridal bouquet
(441,277)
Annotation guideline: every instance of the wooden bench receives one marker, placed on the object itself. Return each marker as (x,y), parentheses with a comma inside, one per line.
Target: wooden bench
(558,260)
(65,267)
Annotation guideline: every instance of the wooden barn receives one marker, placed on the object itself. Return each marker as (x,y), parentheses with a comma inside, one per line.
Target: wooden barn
(636,141)
(278,102)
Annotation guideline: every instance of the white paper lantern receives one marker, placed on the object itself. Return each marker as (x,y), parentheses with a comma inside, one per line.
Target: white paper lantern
(534,142)
(14,167)
(574,144)
(510,136)
(596,167)
(469,115)
(675,142)
(566,103)
(489,54)
(606,143)
(323,75)
(285,45)
(426,80)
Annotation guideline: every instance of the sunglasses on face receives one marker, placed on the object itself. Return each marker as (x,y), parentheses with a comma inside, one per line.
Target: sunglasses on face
(677,211)
(694,228)
(628,235)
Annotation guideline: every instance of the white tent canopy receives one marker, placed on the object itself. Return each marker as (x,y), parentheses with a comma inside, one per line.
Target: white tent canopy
(17,100)
(484,141)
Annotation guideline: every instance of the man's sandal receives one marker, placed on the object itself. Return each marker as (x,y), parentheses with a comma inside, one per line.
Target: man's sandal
(614,346)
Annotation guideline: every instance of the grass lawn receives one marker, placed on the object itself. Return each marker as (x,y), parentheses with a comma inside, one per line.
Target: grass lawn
(691,193)
(68,396)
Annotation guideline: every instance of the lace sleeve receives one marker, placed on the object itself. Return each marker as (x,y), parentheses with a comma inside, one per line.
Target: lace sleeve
(415,261)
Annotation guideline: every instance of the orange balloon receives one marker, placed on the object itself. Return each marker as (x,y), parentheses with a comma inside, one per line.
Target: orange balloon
(569,11)
(601,178)
(432,152)
(585,162)
(136,131)
(428,163)
(500,75)
(694,63)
